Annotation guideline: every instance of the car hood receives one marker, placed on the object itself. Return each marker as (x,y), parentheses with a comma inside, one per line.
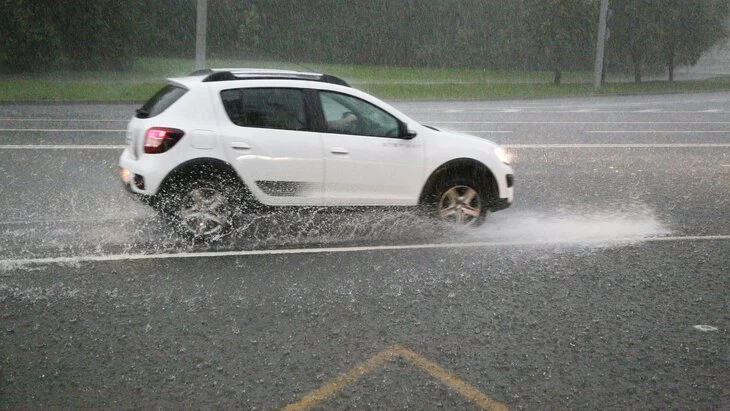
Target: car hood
(455,135)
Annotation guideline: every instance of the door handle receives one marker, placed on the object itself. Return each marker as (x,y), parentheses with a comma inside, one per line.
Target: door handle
(240,145)
(339,150)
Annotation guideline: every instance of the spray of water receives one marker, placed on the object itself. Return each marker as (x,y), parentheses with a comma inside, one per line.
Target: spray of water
(629,224)
(146,233)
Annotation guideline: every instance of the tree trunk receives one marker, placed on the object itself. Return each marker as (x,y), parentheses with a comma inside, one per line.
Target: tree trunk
(558,76)
(637,72)
(670,62)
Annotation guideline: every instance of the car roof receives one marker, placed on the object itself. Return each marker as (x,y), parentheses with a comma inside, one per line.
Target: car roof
(230,74)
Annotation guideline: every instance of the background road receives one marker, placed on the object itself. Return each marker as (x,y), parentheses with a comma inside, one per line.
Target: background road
(604,286)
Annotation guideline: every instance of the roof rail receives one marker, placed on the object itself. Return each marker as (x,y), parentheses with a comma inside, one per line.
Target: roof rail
(259,74)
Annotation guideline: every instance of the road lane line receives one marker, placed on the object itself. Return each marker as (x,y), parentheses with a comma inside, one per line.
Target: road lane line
(628,145)
(657,131)
(579,122)
(517,146)
(484,131)
(9,263)
(465,389)
(61,147)
(59,130)
(70,120)
(336,385)
(339,383)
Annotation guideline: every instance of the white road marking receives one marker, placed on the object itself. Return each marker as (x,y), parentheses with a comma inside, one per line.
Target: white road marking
(59,130)
(485,131)
(11,263)
(657,131)
(60,147)
(647,145)
(530,110)
(72,120)
(578,122)
(518,146)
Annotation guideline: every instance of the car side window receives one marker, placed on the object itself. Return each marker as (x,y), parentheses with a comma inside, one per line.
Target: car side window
(345,114)
(277,108)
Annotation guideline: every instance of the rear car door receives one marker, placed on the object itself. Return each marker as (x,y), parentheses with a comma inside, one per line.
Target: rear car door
(268,137)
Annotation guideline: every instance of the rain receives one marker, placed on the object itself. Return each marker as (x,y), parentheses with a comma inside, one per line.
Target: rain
(599,276)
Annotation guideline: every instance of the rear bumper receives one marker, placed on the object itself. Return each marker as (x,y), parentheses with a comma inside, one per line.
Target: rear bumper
(127,178)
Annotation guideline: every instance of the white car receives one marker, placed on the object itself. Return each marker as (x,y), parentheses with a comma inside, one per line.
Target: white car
(208,145)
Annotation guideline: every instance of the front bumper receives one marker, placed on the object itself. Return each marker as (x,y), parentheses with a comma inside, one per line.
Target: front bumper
(500,204)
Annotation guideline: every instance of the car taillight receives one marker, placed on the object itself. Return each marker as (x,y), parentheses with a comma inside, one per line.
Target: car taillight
(160,139)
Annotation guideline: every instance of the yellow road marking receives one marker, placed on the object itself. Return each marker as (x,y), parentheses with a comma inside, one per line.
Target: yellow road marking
(337,384)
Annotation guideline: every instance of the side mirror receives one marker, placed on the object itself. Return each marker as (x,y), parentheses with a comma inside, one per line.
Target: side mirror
(407,132)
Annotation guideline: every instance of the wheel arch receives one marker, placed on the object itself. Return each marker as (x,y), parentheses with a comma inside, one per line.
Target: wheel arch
(201,168)
(461,167)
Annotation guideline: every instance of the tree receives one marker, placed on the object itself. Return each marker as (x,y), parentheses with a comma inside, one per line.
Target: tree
(635,32)
(30,37)
(564,30)
(687,28)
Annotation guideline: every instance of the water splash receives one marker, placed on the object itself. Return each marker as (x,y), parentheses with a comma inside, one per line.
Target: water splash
(625,225)
(147,234)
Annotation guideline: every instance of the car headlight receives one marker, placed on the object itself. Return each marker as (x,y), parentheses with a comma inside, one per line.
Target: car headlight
(502,155)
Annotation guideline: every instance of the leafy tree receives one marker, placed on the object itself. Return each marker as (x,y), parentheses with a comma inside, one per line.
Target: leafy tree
(687,28)
(564,30)
(634,28)
(99,35)
(30,37)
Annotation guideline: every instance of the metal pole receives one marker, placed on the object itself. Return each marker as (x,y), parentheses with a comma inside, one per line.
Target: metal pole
(600,44)
(200,34)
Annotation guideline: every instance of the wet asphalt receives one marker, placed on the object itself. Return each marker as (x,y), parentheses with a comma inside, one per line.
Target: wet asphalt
(605,286)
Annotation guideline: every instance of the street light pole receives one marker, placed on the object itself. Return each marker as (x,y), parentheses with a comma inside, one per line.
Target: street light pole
(200,34)
(600,44)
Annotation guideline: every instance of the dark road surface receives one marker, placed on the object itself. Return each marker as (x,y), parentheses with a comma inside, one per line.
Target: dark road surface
(605,286)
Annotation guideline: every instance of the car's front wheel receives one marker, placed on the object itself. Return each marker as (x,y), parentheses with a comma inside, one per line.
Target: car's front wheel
(459,201)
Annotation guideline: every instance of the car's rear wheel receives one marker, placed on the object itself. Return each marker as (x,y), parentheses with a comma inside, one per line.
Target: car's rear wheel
(201,209)
(460,201)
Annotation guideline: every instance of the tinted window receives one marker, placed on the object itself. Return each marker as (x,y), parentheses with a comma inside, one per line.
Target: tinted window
(349,115)
(161,101)
(279,108)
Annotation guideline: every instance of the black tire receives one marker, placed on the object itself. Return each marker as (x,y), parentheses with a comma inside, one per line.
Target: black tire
(461,201)
(202,209)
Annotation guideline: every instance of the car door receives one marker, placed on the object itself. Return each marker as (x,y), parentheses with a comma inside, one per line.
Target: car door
(366,160)
(269,140)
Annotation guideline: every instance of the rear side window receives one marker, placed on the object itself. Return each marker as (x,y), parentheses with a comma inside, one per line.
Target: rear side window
(278,108)
(161,101)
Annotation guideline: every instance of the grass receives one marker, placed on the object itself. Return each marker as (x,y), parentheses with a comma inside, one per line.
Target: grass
(148,75)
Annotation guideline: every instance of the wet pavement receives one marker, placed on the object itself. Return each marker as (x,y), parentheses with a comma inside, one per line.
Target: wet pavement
(604,286)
